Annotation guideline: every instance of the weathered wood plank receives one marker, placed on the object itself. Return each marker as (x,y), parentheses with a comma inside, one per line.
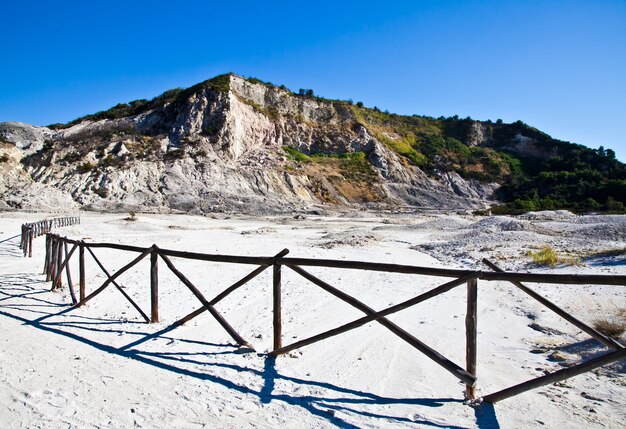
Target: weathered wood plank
(471,333)
(559,375)
(231,331)
(277,307)
(375,266)
(70,285)
(592,279)
(154,286)
(81,268)
(607,341)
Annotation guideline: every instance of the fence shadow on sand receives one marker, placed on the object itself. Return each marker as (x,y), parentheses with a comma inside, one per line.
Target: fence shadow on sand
(21,298)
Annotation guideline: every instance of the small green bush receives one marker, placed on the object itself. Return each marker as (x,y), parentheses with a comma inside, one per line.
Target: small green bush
(295,155)
(109,160)
(546,256)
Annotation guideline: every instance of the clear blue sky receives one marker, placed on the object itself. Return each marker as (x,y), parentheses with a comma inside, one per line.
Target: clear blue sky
(557,65)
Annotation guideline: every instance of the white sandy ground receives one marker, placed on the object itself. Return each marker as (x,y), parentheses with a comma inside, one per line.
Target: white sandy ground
(100,365)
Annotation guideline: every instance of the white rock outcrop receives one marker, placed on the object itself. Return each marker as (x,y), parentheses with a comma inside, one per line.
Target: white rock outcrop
(215,151)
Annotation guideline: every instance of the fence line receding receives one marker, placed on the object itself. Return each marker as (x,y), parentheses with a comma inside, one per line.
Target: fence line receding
(58,253)
(33,230)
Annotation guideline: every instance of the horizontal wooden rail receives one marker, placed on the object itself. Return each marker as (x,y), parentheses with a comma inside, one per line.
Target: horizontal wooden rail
(578,279)
(596,279)
(116,246)
(375,266)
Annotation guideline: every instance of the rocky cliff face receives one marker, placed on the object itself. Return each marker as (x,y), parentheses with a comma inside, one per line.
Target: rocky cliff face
(223,149)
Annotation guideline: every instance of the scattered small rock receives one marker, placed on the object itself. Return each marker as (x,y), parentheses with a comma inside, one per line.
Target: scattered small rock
(545,329)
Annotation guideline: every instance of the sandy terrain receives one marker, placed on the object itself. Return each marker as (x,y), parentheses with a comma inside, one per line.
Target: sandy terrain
(101,366)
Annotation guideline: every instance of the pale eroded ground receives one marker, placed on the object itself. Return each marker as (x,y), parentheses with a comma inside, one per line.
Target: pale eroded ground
(100,366)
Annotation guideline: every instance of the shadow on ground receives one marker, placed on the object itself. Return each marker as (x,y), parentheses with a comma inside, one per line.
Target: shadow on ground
(24,297)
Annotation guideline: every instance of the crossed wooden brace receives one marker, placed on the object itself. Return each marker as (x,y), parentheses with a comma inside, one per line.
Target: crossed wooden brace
(206,304)
(379,316)
(618,353)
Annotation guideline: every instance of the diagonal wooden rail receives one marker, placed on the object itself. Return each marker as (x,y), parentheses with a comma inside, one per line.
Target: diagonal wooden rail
(117,286)
(618,353)
(70,285)
(607,341)
(207,305)
(379,316)
(112,278)
(559,375)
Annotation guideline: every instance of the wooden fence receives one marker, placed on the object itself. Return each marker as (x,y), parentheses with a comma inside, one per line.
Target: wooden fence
(58,254)
(33,230)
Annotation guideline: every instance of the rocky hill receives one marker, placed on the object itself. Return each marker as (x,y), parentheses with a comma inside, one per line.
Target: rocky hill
(242,145)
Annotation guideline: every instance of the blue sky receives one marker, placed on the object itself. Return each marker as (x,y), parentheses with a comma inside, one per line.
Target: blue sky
(557,65)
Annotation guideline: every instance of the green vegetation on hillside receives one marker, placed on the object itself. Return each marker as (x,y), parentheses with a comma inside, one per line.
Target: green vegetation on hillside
(352,164)
(536,171)
(551,175)
(436,144)
(564,176)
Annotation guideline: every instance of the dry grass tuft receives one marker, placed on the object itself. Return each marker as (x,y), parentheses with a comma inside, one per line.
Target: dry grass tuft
(547,256)
(610,327)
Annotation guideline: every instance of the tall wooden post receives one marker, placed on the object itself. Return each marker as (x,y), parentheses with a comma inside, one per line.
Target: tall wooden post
(81,269)
(53,259)
(30,242)
(59,263)
(278,328)
(471,333)
(154,285)
(68,273)
(45,259)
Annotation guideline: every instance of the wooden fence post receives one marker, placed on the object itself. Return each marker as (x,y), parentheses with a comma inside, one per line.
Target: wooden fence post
(471,334)
(23,241)
(45,259)
(30,242)
(53,259)
(154,285)
(59,263)
(278,342)
(81,268)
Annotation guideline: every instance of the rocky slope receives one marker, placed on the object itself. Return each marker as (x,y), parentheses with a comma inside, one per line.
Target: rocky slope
(234,144)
